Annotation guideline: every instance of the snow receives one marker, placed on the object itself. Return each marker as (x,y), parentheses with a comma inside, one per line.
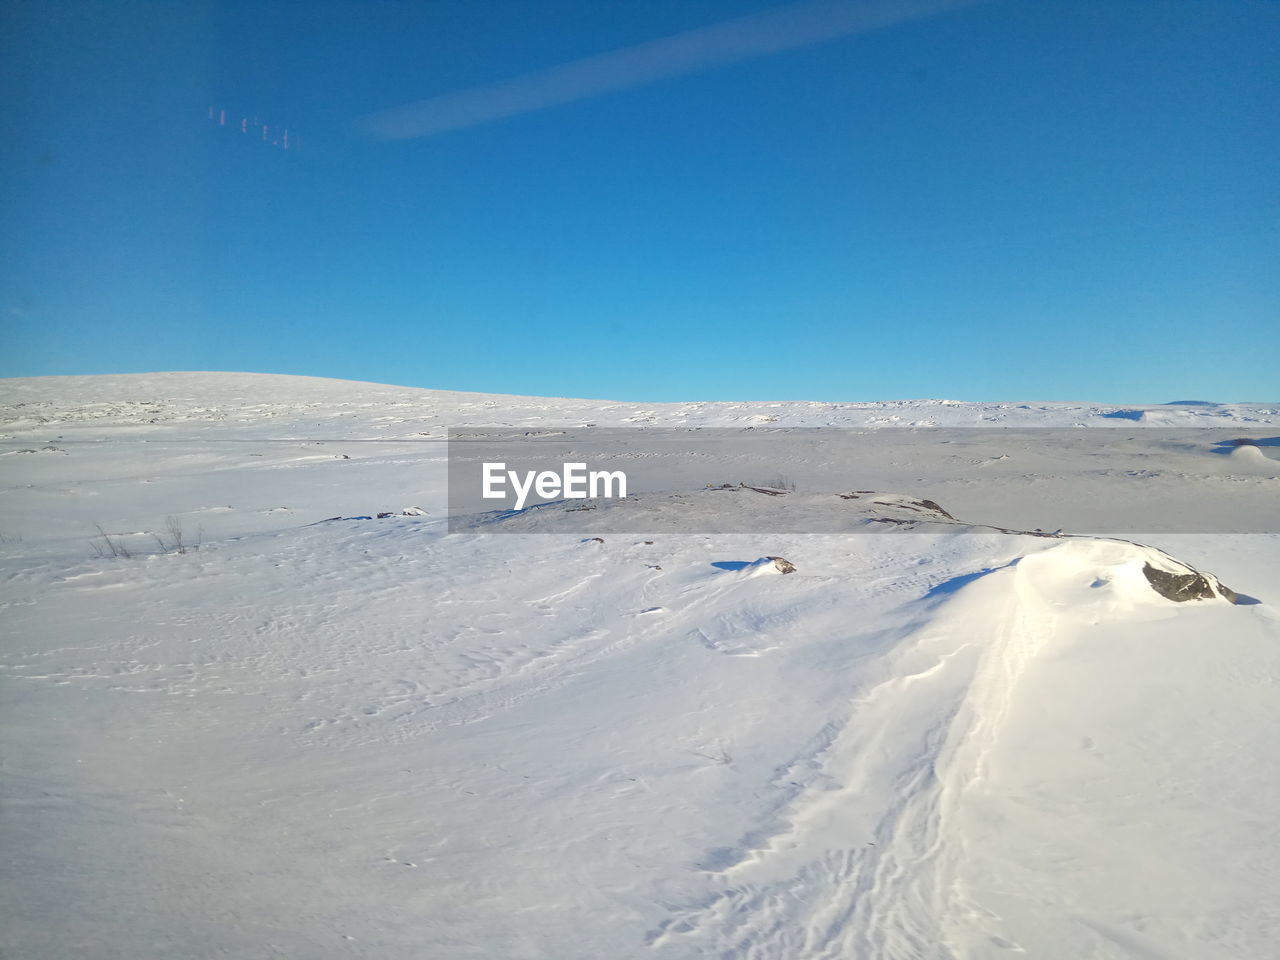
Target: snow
(376,738)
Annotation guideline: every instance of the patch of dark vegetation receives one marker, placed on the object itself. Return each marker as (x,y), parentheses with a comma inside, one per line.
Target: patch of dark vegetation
(105,545)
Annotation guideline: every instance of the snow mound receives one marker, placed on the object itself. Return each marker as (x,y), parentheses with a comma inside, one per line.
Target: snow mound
(1113,577)
(1249,453)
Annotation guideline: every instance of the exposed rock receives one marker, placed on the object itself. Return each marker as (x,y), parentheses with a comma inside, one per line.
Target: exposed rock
(769,491)
(898,502)
(1191,585)
(784,566)
(930,505)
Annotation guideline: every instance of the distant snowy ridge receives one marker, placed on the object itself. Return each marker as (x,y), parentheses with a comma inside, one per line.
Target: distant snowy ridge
(353,409)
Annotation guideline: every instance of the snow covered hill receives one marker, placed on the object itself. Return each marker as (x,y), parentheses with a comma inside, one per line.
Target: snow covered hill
(378,739)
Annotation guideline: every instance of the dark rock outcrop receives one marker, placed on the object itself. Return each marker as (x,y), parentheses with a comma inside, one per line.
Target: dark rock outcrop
(930,505)
(1191,585)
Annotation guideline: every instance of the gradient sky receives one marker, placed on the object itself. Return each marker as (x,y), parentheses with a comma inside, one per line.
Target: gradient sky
(1002,200)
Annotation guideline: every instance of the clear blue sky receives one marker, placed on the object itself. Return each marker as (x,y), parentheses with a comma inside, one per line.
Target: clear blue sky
(1059,199)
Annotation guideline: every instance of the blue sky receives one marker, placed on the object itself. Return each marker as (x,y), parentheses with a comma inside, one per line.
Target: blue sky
(1000,200)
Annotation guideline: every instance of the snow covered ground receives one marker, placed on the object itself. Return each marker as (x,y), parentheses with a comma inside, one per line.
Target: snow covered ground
(376,738)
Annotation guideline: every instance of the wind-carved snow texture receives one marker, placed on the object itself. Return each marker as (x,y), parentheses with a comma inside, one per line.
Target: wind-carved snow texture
(374,738)
(893,892)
